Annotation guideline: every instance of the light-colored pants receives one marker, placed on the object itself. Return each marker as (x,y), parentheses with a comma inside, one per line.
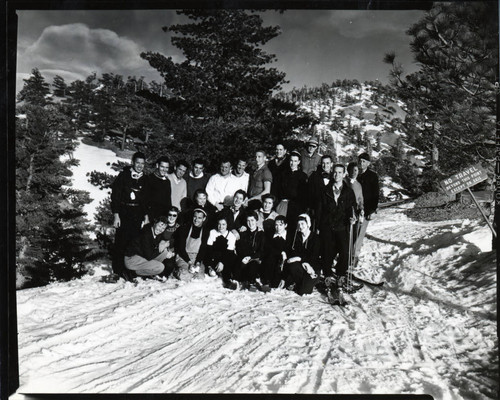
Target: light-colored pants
(361,236)
(182,271)
(143,267)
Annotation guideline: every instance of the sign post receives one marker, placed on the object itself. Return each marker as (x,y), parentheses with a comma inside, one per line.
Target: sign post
(465,179)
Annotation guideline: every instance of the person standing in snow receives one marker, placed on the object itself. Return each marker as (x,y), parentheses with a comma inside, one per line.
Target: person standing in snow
(178,183)
(351,181)
(128,208)
(335,215)
(317,183)
(291,190)
(370,186)
(277,166)
(196,179)
(310,157)
(146,255)
(260,181)
(158,191)
(190,247)
(240,177)
(301,268)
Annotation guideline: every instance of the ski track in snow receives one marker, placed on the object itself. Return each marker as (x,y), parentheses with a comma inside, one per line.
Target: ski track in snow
(430,329)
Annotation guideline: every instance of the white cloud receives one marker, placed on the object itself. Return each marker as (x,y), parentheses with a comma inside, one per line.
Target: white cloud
(74,51)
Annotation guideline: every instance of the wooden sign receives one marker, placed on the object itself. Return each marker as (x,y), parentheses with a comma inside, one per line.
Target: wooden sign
(464,180)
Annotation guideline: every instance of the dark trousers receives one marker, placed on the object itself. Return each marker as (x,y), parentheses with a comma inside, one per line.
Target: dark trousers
(130,227)
(228,258)
(246,272)
(295,273)
(170,266)
(270,271)
(334,242)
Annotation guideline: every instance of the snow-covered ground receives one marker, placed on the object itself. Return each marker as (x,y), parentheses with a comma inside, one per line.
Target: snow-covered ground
(430,329)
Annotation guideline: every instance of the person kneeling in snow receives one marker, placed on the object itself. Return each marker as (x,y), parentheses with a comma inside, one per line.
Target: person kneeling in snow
(190,245)
(146,255)
(220,257)
(302,266)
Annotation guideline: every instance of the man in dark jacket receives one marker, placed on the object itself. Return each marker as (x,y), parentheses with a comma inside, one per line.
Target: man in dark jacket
(317,183)
(128,207)
(146,254)
(334,212)
(157,191)
(370,187)
(277,166)
(235,215)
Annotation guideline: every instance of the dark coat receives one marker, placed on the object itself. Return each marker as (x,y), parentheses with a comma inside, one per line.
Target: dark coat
(227,213)
(315,186)
(250,244)
(370,184)
(180,237)
(335,215)
(127,192)
(144,245)
(277,171)
(157,196)
(273,246)
(308,251)
(292,186)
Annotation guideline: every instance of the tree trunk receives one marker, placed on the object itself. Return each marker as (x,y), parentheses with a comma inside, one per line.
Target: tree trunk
(30,173)
(124,138)
(435,155)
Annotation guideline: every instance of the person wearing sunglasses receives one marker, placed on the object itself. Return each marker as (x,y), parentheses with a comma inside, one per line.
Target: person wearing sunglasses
(168,236)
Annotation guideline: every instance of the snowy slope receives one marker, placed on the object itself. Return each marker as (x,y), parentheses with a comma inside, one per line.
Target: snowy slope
(430,329)
(92,158)
(360,113)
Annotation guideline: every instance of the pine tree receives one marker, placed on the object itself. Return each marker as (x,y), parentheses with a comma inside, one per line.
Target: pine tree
(51,231)
(223,90)
(35,89)
(452,98)
(60,86)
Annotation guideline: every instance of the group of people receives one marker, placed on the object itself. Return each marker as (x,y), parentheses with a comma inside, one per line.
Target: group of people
(282,225)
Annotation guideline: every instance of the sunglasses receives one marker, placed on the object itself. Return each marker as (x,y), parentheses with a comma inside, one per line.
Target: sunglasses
(172,215)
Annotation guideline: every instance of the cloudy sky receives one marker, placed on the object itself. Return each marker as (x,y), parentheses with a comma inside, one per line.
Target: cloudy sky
(315,46)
